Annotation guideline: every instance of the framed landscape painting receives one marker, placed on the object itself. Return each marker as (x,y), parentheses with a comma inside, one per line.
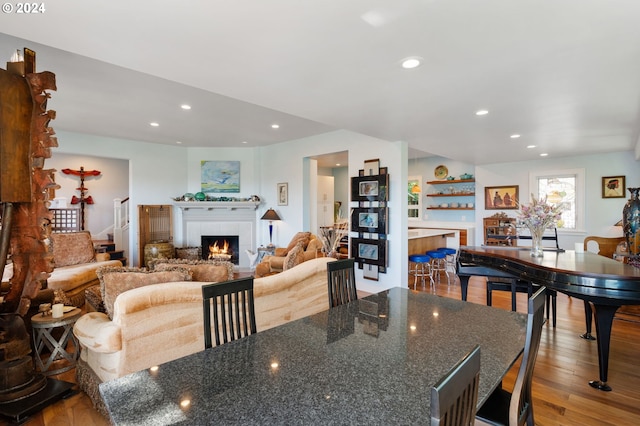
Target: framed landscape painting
(220,176)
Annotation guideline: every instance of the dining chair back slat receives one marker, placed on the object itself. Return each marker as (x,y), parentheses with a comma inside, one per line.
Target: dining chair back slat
(454,397)
(341,282)
(231,304)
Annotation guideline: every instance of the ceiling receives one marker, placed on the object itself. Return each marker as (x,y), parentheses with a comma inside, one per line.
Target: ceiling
(563,75)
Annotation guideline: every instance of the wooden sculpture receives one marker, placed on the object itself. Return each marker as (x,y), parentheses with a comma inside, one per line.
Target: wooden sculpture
(84,199)
(25,141)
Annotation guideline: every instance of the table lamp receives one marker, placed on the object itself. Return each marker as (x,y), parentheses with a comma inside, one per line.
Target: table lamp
(270,215)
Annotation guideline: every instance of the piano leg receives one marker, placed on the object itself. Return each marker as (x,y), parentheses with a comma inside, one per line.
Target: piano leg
(604,320)
(587,316)
(464,285)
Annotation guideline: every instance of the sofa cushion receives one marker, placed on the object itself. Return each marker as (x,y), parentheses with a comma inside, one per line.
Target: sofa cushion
(72,248)
(294,257)
(300,237)
(202,270)
(117,280)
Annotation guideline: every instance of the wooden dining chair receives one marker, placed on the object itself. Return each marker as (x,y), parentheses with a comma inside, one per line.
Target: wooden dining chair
(232,305)
(341,282)
(454,397)
(516,407)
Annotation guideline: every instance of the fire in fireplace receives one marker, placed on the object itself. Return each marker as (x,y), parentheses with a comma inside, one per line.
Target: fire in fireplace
(222,247)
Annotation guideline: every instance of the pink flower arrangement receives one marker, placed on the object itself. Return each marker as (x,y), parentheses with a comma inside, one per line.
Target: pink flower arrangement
(539,215)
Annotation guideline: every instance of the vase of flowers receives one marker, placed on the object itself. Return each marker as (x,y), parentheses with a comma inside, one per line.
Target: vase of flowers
(538,216)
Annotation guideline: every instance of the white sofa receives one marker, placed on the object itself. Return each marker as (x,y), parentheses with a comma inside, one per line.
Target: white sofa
(161,322)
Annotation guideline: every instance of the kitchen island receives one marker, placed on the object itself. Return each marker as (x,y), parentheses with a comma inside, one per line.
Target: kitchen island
(424,239)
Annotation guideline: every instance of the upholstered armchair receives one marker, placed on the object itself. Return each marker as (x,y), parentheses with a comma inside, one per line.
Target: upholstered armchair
(302,247)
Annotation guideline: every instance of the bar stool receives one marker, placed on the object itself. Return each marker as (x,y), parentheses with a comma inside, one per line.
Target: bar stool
(420,266)
(451,259)
(438,264)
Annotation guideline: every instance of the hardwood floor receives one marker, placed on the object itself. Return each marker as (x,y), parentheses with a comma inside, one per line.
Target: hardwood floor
(564,365)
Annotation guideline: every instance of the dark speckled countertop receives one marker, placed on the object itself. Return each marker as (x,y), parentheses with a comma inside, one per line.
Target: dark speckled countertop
(370,362)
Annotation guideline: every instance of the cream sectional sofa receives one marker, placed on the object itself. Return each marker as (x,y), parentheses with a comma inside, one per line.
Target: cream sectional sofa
(155,324)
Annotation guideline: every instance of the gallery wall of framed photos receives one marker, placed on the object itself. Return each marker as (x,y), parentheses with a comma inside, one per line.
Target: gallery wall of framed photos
(370,190)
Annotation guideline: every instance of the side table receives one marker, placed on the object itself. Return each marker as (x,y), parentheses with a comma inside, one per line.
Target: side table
(43,326)
(264,251)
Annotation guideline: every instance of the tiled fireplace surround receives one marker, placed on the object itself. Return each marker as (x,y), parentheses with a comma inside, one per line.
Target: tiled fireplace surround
(198,221)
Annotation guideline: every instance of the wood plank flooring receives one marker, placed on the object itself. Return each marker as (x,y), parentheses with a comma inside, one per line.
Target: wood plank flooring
(564,365)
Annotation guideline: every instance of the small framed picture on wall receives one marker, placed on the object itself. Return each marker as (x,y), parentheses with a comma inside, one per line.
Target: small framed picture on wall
(283,194)
(613,187)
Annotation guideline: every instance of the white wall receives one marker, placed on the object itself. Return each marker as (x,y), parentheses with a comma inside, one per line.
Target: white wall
(113,182)
(156,172)
(285,163)
(600,213)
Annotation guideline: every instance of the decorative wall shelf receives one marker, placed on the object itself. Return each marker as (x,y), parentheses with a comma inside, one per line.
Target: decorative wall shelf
(214,205)
(450,208)
(446,182)
(469,193)
(462,194)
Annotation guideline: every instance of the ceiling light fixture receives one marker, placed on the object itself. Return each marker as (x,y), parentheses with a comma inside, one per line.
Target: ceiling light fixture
(185,106)
(531,146)
(275,126)
(154,124)
(544,154)
(516,136)
(482,112)
(412,62)
(179,142)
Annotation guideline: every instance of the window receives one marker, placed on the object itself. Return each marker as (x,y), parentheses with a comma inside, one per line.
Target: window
(414,197)
(564,187)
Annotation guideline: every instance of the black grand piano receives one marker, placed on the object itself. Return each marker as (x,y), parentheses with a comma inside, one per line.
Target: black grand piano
(605,283)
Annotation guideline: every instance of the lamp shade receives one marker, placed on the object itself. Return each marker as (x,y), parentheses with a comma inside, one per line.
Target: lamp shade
(270,215)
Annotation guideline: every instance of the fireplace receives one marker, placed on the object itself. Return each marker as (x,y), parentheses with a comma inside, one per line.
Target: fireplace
(222,247)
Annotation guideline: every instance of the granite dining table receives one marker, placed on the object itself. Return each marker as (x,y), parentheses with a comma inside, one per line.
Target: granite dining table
(371,361)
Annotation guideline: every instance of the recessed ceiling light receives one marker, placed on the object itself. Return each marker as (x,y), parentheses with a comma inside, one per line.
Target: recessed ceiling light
(482,112)
(275,126)
(531,146)
(337,164)
(544,154)
(179,142)
(516,136)
(154,124)
(185,106)
(244,142)
(412,62)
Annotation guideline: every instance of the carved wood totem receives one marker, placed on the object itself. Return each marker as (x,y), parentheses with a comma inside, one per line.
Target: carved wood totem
(25,142)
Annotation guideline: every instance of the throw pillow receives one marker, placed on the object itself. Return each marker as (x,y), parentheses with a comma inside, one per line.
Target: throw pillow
(300,237)
(294,257)
(71,248)
(116,280)
(202,270)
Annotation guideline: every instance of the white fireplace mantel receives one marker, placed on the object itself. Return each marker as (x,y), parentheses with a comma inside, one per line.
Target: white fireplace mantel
(220,218)
(210,205)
